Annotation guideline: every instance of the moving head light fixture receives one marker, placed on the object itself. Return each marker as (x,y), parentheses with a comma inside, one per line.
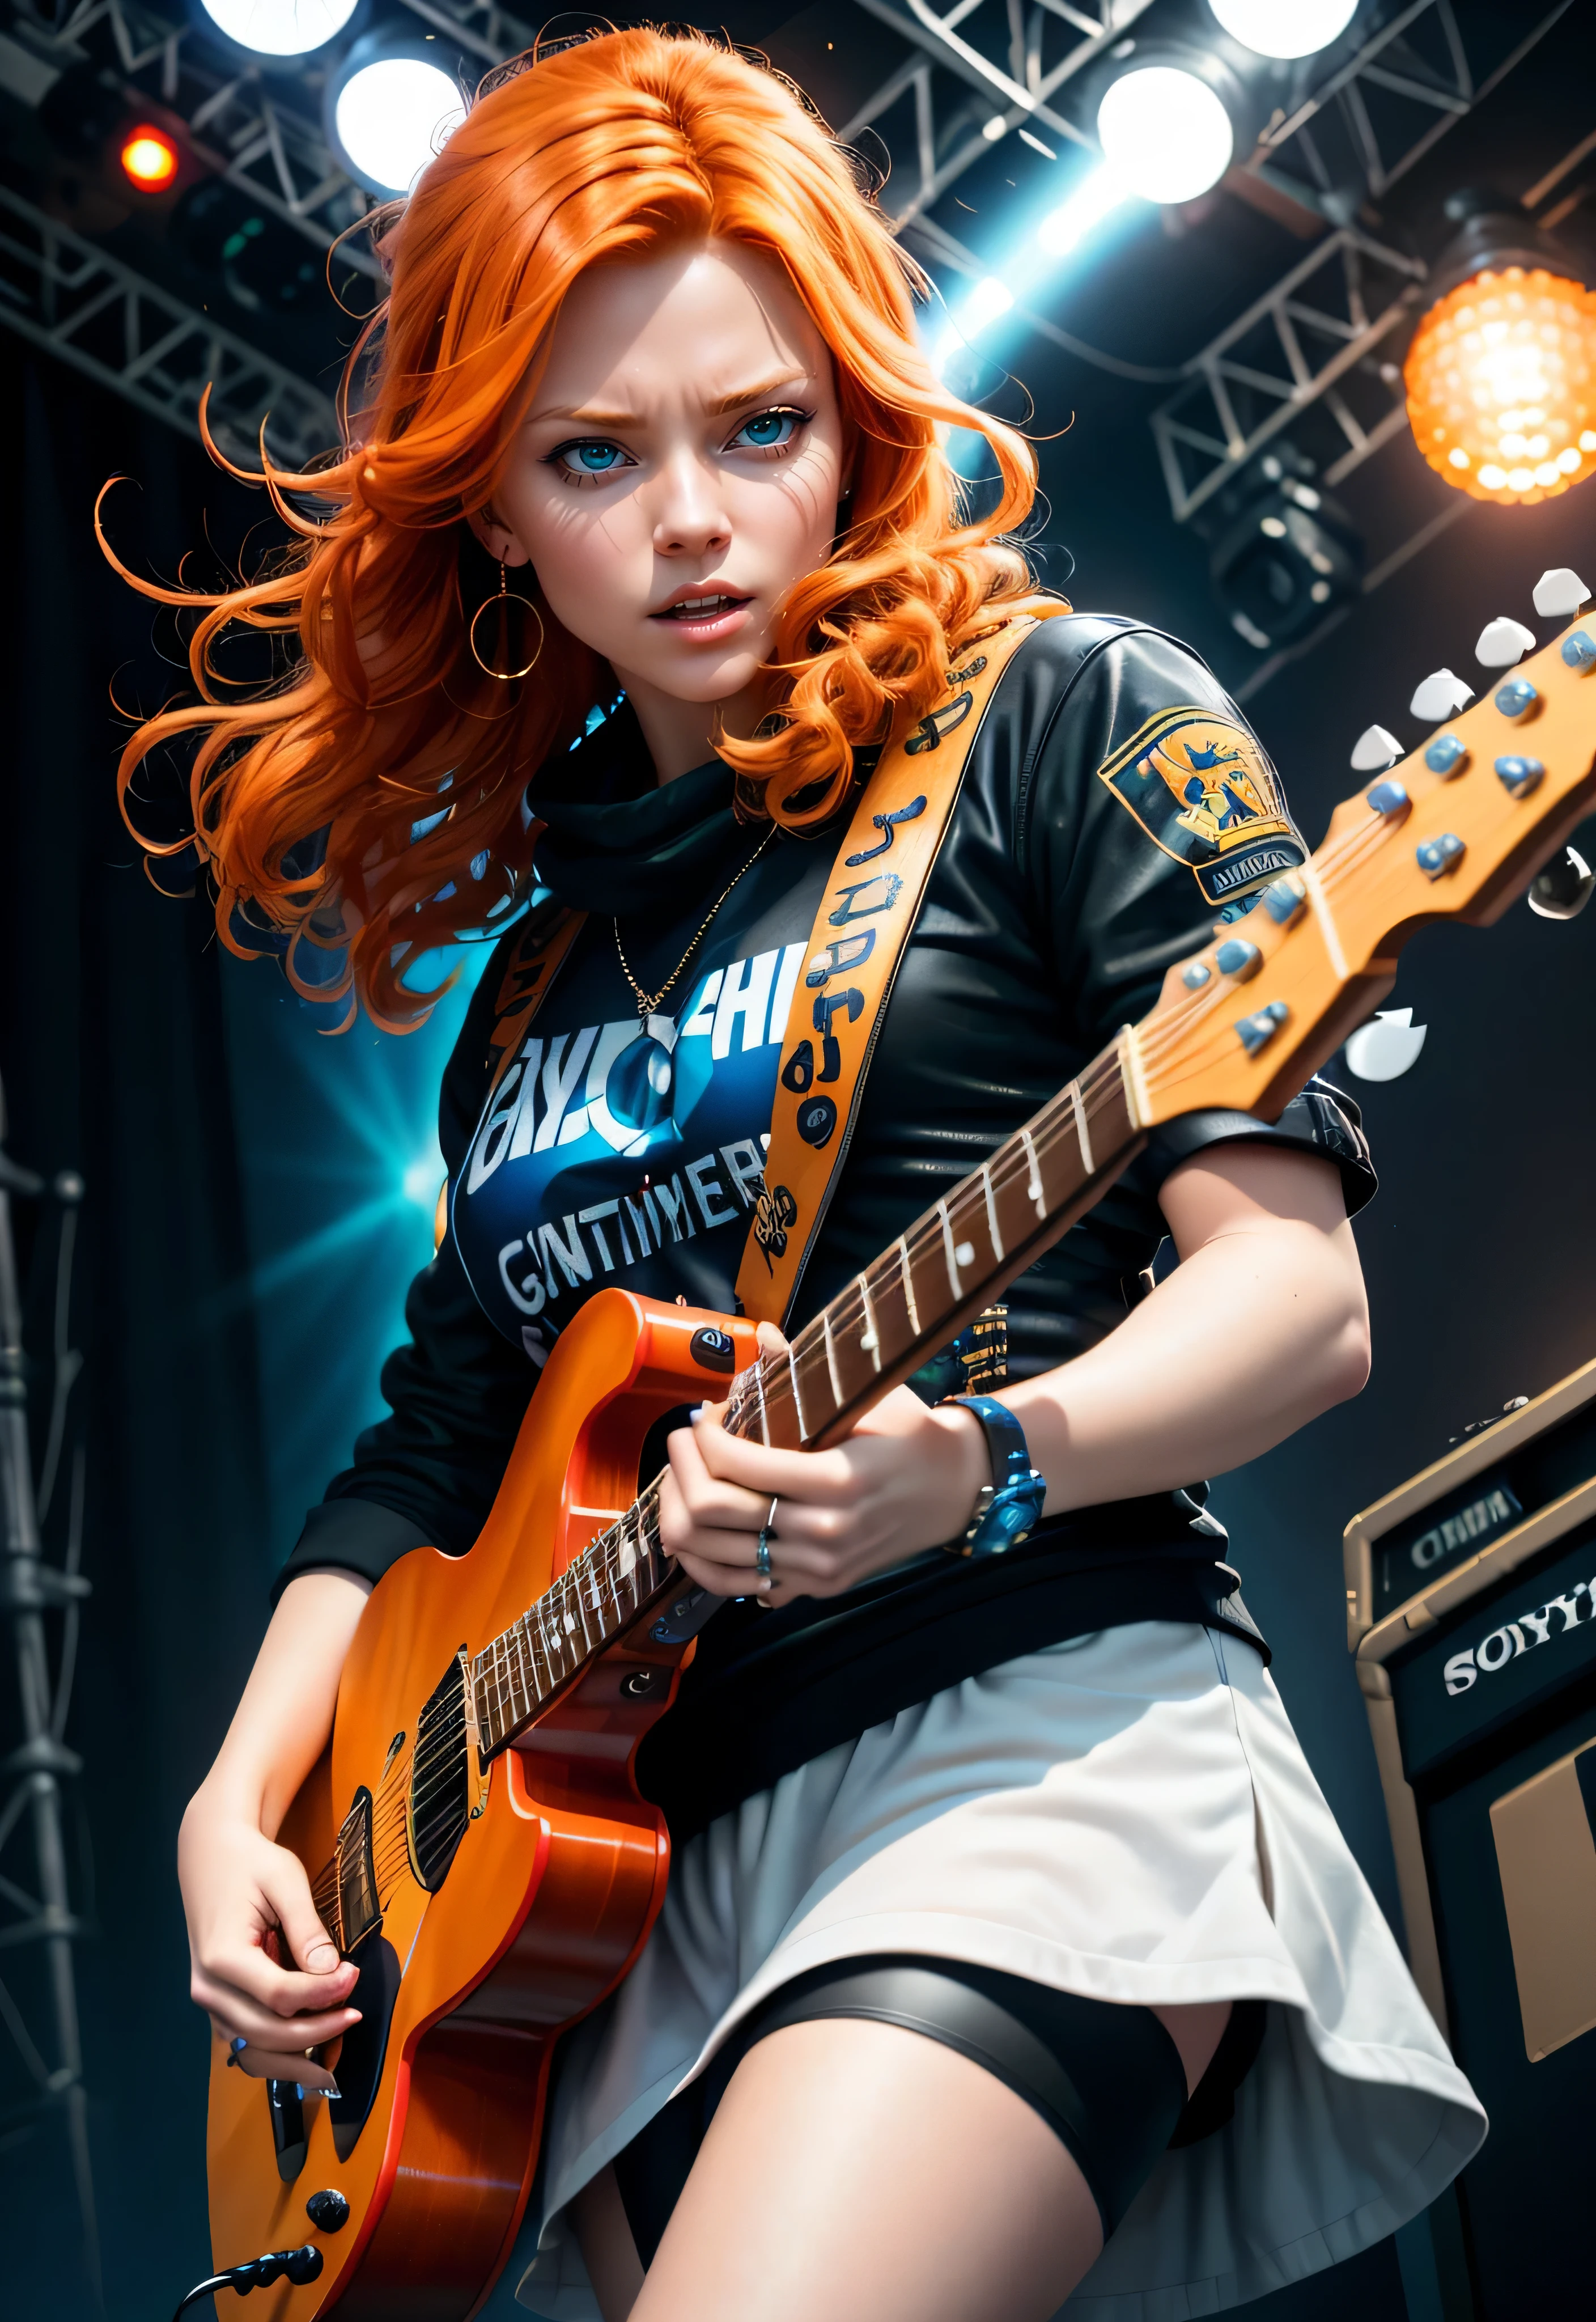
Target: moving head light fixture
(1284,554)
(1500,374)
(290,29)
(389,103)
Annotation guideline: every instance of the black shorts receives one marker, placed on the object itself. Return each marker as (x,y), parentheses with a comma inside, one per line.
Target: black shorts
(1107,2080)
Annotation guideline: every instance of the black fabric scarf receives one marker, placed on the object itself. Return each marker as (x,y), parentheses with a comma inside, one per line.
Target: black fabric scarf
(619,843)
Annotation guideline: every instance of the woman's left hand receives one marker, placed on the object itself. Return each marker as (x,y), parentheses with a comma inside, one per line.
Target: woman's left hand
(906,1479)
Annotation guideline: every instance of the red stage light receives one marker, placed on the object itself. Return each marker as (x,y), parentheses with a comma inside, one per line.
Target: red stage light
(148,157)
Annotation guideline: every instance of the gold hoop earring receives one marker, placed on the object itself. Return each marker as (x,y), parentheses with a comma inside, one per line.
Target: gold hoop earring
(506,622)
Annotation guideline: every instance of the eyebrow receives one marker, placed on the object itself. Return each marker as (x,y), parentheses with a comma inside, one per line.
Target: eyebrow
(586,417)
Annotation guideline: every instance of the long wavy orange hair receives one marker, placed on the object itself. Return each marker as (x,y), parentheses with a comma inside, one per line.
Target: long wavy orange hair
(605,149)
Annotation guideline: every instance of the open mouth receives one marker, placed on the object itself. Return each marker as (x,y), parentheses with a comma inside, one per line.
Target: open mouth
(708,608)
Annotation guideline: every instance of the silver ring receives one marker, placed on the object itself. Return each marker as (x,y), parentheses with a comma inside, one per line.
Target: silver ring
(762,1554)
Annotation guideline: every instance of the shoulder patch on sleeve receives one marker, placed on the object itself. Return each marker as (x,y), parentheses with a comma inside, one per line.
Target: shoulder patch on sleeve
(1203,790)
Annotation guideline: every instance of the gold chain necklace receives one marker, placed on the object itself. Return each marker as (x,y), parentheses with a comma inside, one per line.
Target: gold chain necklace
(648,1002)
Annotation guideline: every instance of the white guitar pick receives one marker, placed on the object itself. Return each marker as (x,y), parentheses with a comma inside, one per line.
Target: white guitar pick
(1503,642)
(1439,695)
(1374,749)
(1559,593)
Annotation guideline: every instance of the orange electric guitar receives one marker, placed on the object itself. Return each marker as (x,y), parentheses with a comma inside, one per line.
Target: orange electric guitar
(474,1838)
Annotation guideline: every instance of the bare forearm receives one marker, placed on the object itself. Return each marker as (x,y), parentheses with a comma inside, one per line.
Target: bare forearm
(1253,1335)
(281,1723)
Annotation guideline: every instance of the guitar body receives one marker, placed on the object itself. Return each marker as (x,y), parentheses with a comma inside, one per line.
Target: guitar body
(472,1962)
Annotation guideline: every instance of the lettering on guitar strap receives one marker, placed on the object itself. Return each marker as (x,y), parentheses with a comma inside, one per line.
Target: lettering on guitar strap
(859,934)
(775,1212)
(887,824)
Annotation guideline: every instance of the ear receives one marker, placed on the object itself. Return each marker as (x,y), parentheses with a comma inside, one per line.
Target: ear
(503,545)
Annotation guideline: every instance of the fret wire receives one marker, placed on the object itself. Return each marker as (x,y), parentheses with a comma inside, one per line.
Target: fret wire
(871,1340)
(797,1400)
(954,1285)
(831,1360)
(908,1284)
(993,1235)
(1080,1128)
(1033,1186)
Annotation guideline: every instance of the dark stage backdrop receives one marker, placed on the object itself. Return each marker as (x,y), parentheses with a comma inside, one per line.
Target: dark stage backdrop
(258,1194)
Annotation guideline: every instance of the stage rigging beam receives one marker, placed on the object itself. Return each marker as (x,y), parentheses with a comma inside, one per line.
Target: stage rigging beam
(1308,343)
(966,98)
(66,295)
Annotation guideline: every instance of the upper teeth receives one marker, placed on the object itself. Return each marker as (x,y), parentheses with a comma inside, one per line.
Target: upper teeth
(697,604)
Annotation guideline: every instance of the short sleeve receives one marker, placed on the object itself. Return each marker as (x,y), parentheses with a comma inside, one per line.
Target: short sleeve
(1150,811)
(1147,811)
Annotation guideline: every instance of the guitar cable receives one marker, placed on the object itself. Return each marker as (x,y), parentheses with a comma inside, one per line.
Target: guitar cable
(299,2265)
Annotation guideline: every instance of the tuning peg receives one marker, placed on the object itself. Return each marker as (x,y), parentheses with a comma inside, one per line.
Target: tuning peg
(1558,595)
(1563,888)
(1374,749)
(1503,642)
(1439,695)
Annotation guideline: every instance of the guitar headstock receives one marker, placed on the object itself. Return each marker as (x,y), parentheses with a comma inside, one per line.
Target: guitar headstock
(1455,830)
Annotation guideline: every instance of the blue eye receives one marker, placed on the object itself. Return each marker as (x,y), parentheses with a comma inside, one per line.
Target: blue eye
(595,457)
(770,430)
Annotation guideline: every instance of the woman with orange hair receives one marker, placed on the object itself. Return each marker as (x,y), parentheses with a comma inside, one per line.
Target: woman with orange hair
(1010,1951)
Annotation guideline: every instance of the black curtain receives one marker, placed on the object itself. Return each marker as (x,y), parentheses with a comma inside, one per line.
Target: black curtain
(111,1047)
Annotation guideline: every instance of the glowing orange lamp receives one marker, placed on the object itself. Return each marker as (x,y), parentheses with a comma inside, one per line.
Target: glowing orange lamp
(1502,372)
(148,159)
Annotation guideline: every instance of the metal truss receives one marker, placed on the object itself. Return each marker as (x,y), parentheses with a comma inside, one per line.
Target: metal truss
(1382,112)
(262,130)
(1317,354)
(68,296)
(986,67)
(1290,350)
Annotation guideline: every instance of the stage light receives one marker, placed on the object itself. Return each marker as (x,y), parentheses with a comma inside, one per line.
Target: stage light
(1286,556)
(1034,260)
(148,159)
(1500,376)
(280,28)
(1284,28)
(1164,132)
(388,110)
(422,1178)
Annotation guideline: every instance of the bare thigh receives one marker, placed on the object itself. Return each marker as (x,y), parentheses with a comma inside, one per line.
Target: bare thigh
(869,2173)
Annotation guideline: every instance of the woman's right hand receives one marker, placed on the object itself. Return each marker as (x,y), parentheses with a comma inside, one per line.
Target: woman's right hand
(265,1970)
(264,1966)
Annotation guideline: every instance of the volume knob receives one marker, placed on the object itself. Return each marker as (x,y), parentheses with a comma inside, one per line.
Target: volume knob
(328,2210)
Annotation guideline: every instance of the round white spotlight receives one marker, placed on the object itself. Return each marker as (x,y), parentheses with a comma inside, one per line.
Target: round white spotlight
(280,28)
(1165,133)
(1285,28)
(390,118)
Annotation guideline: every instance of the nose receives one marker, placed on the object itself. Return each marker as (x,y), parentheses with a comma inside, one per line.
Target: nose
(690,513)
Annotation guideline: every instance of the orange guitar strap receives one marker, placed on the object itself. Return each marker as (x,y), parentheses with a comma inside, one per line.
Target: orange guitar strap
(871,902)
(865,917)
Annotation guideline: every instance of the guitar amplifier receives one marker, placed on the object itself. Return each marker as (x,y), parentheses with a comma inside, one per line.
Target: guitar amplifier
(1472,1616)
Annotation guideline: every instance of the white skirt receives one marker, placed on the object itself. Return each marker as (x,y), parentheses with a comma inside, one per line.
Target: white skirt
(1128,1815)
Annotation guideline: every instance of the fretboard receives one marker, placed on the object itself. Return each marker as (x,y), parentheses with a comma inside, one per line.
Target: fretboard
(936,1276)
(951,1262)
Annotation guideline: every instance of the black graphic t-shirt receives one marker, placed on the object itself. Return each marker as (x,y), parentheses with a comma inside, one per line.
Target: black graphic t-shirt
(624,1148)
(1112,795)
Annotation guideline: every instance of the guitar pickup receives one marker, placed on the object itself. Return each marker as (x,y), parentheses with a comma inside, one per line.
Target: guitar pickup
(683,1616)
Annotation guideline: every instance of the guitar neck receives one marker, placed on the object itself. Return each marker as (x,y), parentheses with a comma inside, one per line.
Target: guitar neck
(1452,832)
(950,1263)
(935,1277)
